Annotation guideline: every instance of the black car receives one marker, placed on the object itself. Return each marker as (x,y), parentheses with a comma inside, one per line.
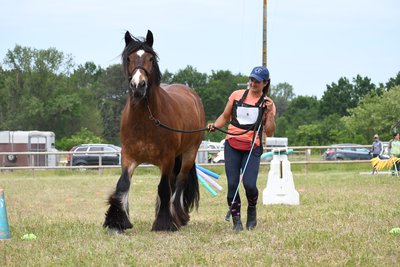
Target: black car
(347,152)
(109,154)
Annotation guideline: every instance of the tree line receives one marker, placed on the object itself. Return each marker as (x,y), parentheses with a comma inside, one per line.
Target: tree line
(42,89)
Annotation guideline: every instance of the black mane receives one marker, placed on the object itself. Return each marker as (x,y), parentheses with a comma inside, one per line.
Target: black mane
(138,44)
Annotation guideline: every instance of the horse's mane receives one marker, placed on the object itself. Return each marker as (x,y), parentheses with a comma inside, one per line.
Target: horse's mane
(138,44)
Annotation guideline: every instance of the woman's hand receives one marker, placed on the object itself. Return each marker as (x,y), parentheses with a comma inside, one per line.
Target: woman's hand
(211,127)
(268,102)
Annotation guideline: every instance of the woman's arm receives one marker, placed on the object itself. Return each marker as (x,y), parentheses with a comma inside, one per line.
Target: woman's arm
(223,118)
(269,120)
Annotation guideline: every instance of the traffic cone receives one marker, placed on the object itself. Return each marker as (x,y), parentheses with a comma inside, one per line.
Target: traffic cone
(4,227)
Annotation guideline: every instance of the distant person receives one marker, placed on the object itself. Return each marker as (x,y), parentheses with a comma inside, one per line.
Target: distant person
(376,149)
(244,109)
(395,151)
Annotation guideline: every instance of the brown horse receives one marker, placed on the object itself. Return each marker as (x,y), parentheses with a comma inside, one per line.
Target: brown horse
(143,140)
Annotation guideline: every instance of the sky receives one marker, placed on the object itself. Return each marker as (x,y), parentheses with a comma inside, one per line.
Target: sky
(310,43)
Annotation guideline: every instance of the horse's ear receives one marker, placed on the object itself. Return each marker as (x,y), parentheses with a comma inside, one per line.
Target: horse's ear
(128,38)
(149,38)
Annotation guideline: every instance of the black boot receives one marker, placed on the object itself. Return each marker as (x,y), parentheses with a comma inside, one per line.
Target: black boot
(237,224)
(251,217)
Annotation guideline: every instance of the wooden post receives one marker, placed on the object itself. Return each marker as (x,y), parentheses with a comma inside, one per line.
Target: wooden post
(264,53)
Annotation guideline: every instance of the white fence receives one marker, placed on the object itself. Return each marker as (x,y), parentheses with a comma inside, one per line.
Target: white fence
(302,155)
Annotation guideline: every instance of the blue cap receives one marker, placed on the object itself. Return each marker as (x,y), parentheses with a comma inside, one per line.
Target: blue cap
(260,74)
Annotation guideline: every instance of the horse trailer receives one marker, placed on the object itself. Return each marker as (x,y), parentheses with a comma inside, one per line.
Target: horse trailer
(13,142)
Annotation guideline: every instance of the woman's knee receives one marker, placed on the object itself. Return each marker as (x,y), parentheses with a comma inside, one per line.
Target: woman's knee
(251,188)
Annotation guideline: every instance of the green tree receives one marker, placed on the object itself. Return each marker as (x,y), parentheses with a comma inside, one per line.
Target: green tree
(41,95)
(330,130)
(395,81)
(375,114)
(337,98)
(361,87)
(31,84)
(111,97)
(302,110)
(282,94)
(84,136)
(188,76)
(167,77)
(340,97)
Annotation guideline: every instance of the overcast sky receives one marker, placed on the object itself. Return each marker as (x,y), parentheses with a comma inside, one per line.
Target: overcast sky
(310,43)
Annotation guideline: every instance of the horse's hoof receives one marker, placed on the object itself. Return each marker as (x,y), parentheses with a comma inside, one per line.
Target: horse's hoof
(114,231)
(165,227)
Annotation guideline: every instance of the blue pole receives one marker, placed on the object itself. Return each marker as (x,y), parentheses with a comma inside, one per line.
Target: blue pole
(4,227)
(208,172)
(204,183)
(269,154)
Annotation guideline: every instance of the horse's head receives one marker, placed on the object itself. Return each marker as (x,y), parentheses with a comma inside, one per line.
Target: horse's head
(140,65)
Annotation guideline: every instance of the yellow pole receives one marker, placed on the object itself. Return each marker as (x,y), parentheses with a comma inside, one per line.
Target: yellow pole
(264,53)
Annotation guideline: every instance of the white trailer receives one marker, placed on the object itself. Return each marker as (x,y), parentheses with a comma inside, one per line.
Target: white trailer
(27,141)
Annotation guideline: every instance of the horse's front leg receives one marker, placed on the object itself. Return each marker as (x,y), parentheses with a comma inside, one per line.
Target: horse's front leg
(117,216)
(164,220)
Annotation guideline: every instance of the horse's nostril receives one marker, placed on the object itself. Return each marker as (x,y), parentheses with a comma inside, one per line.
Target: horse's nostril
(142,84)
(132,85)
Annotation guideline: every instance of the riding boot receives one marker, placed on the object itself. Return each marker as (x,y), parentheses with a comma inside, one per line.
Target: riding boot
(251,217)
(237,224)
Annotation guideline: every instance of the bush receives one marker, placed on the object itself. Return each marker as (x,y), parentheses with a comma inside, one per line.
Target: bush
(84,136)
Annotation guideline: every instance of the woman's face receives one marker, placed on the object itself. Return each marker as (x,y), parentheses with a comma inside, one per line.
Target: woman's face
(256,85)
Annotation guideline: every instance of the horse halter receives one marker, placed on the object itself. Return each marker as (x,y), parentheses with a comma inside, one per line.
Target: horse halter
(138,88)
(139,68)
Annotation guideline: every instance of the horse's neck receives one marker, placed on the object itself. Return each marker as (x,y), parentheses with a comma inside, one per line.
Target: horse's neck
(157,100)
(152,104)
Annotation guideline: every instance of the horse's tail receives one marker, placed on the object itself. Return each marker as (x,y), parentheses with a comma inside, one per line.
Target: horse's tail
(192,193)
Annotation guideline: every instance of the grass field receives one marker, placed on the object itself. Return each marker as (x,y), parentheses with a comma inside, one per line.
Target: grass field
(344,219)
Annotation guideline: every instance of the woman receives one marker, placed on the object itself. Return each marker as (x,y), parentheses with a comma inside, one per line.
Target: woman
(245,110)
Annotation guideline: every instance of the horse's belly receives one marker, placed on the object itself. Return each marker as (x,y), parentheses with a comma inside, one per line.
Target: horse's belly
(145,152)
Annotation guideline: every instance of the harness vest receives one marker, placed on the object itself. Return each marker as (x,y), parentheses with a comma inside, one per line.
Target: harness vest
(249,117)
(245,116)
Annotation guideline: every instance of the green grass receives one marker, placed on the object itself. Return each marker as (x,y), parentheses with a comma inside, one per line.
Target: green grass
(344,219)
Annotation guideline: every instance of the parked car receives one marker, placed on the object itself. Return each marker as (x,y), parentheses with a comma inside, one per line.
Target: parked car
(212,147)
(111,158)
(219,158)
(348,152)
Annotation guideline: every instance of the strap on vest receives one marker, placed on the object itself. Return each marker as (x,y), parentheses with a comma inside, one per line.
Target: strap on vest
(259,120)
(246,92)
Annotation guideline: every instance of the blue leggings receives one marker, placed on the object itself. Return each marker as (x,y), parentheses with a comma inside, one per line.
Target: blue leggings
(235,160)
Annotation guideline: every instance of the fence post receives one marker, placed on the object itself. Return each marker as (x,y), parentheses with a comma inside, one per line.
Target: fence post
(100,164)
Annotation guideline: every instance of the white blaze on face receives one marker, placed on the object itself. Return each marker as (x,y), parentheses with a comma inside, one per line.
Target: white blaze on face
(136,78)
(140,53)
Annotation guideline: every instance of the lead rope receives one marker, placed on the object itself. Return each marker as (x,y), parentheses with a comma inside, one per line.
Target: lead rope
(157,122)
